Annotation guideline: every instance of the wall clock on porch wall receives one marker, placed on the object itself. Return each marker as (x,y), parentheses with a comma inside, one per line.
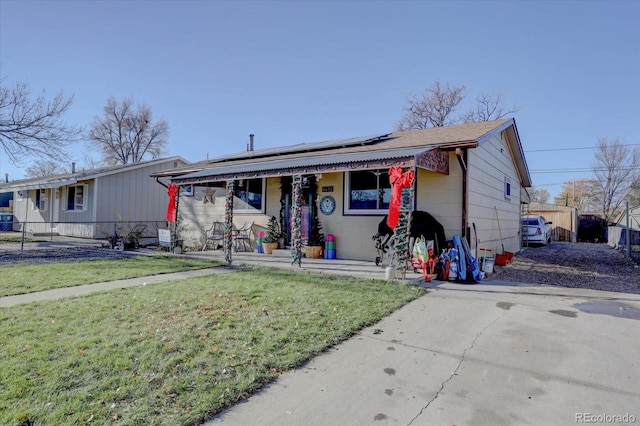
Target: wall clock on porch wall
(327,205)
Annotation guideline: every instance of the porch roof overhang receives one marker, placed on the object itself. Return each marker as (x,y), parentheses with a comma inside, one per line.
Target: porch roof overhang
(51,184)
(429,158)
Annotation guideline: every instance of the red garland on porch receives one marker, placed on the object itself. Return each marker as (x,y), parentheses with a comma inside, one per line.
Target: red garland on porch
(398,181)
(172,191)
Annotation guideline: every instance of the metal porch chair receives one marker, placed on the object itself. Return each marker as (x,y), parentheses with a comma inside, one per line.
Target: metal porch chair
(242,237)
(214,236)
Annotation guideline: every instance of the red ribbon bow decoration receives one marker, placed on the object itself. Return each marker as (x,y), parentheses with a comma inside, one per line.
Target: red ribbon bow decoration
(172,191)
(398,181)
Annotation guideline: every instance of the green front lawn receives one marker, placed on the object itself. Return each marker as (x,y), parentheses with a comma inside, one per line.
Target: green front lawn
(179,352)
(22,279)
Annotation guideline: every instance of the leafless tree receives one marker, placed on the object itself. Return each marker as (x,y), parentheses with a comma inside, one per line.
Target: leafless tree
(42,168)
(538,195)
(126,134)
(89,163)
(488,107)
(634,195)
(34,127)
(437,106)
(578,193)
(433,109)
(617,170)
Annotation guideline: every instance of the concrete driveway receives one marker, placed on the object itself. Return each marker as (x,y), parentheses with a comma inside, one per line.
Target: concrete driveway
(489,354)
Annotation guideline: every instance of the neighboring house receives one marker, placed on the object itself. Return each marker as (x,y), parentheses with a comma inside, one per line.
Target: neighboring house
(634,218)
(466,174)
(86,203)
(564,219)
(617,234)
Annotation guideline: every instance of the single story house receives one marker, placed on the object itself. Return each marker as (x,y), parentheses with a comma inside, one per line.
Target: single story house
(87,203)
(470,177)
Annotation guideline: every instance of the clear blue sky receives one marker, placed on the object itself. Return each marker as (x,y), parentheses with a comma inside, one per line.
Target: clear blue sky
(310,71)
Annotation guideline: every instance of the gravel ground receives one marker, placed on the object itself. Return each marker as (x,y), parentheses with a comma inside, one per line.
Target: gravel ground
(575,265)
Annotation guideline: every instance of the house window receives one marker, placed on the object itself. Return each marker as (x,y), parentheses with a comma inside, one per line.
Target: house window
(75,198)
(507,188)
(41,199)
(367,191)
(249,195)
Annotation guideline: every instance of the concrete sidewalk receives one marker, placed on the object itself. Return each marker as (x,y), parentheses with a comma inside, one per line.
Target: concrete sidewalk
(487,354)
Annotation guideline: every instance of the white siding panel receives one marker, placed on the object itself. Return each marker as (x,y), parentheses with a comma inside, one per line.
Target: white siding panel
(489,164)
(197,216)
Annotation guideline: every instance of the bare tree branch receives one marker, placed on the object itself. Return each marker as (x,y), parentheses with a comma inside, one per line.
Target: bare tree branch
(45,168)
(617,170)
(125,135)
(34,127)
(488,107)
(433,109)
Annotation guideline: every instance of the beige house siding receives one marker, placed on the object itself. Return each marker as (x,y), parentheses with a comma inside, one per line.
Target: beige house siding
(132,195)
(78,223)
(39,221)
(435,193)
(352,232)
(125,193)
(197,216)
(24,210)
(489,165)
(441,196)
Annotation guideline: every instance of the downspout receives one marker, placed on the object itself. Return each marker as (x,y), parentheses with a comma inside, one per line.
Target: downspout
(161,183)
(462,159)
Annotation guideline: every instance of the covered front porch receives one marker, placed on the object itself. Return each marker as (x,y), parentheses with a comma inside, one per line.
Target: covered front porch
(281,259)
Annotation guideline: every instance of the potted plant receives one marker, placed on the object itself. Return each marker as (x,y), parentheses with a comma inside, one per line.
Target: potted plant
(315,243)
(270,242)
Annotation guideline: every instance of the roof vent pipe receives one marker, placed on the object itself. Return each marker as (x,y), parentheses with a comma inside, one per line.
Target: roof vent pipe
(6,177)
(250,145)
(73,167)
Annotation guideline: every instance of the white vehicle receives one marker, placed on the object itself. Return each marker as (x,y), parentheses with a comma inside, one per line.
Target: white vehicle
(535,230)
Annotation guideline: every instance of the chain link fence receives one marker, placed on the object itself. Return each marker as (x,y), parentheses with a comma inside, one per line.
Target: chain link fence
(123,234)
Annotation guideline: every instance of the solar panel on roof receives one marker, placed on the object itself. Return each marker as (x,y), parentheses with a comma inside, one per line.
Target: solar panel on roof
(265,165)
(301,147)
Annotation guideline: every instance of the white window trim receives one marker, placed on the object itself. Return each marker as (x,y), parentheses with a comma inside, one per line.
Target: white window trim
(263,203)
(36,204)
(85,192)
(347,198)
(508,188)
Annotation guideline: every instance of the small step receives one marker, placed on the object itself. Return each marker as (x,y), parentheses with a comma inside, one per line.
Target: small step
(281,252)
